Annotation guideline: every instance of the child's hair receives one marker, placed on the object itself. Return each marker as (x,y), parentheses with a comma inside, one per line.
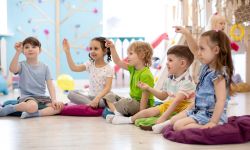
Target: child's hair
(33,41)
(214,19)
(102,41)
(224,57)
(143,50)
(183,52)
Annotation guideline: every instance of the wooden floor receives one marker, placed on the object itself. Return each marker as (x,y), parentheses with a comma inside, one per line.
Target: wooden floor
(65,132)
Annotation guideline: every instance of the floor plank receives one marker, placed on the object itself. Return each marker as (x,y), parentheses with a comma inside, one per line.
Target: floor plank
(66,132)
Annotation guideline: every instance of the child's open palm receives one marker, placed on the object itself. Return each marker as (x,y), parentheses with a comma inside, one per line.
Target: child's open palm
(142,85)
(19,47)
(66,46)
(109,44)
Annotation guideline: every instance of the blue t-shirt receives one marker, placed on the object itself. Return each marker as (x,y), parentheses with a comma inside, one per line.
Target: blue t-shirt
(33,79)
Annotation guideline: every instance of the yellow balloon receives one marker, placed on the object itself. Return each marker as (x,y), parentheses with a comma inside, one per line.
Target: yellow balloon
(65,82)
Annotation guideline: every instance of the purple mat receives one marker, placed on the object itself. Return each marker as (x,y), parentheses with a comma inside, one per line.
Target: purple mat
(237,130)
(81,110)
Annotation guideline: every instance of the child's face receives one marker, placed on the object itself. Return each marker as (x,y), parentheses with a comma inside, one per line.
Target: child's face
(96,51)
(207,51)
(175,64)
(218,23)
(133,58)
(31,51)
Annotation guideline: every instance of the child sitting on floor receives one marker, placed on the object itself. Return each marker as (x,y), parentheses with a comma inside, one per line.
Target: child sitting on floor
(100,71)
(34,75)
(139,60)
(213,90)
(178,88)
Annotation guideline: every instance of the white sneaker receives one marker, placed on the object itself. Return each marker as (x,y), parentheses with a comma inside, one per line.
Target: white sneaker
(157,128)
(109,118)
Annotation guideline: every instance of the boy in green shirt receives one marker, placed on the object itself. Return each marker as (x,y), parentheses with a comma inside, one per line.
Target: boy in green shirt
(139,60)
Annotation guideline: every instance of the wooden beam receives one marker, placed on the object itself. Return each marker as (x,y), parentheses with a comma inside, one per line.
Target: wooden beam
(208,10)
(185,11)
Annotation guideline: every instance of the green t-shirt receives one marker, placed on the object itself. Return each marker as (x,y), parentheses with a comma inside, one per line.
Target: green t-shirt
(144,75)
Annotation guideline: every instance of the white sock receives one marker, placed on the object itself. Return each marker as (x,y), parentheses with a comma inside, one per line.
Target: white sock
(121,120)
(4,111)
(109,118)
(117,113)
(233,102)
(157,128)
(29,115)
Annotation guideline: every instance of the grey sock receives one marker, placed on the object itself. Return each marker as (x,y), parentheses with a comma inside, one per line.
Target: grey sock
(4,111)
(29,115)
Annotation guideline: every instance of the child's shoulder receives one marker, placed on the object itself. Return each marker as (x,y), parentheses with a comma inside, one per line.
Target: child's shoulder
(89,63)
(221,73)
(146,74)
(145,71)
(109,67)
(185,77)
(42,65)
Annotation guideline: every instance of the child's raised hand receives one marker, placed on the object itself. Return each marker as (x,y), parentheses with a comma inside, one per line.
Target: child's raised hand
(66,46)
(109,44)
(180,29)
(142,85)
(19,47)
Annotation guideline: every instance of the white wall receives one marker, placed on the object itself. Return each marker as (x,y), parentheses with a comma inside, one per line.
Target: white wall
(3,31)
(239,61)
(3,17)
(134,18)
(139,18)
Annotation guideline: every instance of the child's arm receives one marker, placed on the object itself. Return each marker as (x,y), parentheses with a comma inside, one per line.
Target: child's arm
(157,93)
(94,103)
(144,100)
(190,106)
(72,65)
(115,56)
(14,67)
(52,93)
(178,99)
(220,92)
(192,44)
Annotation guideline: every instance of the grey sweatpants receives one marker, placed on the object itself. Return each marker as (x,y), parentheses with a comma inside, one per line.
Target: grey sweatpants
(79,98)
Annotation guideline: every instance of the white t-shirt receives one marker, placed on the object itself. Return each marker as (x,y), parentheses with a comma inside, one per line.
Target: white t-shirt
(98,77)
(183,84)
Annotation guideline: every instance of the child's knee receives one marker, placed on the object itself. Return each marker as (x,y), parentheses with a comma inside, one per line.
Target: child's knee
(173,119)
(32,107)
(71,95)
(111,97)
(177,126)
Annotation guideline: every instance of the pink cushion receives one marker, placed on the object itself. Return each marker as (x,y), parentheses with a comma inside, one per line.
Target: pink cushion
(81,110)
(237,130)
